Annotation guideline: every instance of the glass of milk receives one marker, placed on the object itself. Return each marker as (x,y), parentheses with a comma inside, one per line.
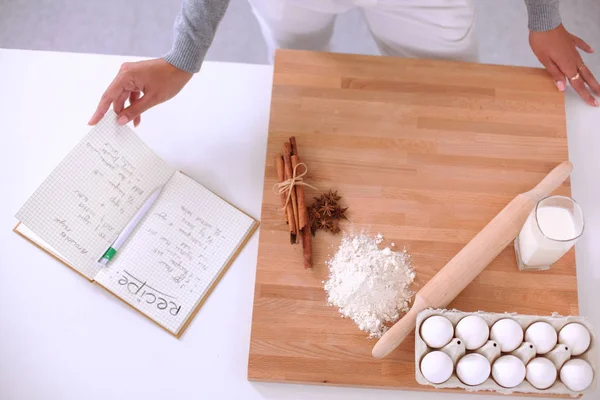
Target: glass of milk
(550,231)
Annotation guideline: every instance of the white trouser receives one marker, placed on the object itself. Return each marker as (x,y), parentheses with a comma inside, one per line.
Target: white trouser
(406,28)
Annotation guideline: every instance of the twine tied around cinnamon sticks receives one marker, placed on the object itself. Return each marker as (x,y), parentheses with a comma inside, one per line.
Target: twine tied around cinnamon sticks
(287,186)
(291,192)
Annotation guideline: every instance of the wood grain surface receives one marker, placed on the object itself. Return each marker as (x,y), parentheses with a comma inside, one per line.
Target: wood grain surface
(424,152)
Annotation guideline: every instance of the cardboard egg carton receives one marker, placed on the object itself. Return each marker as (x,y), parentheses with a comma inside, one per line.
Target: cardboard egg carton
(557,321)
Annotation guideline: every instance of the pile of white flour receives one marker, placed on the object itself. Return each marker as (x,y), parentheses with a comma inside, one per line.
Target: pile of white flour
(368,284)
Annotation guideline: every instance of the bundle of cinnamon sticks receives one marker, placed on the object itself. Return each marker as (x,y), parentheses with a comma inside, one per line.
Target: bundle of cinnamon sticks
(294,206)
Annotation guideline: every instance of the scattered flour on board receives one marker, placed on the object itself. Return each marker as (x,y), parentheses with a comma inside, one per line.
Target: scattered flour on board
(368,284)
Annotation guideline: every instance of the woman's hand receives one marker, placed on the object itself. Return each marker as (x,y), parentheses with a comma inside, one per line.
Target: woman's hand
(557,50)
(156,79)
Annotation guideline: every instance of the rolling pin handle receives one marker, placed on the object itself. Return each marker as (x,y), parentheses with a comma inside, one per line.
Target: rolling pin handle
(551,182)
(401,329)
(396,334)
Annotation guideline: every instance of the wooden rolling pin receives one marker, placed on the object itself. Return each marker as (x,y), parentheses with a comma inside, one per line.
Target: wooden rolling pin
(473,258)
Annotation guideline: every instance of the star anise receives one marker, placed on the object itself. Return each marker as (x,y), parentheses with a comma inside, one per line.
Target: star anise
(332,197)
(340,213)
(335,227)
(314,228)
(313,213)
(327,209)
(325,224)
(325,213)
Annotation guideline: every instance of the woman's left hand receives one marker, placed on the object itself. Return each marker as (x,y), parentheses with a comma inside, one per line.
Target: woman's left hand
(557,51)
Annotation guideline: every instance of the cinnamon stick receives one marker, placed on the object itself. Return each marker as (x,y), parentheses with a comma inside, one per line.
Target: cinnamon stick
(304,229)
(287,161)
(307,247)
(280,179)
(302,214)
(291,222)
(289,211)
(294,146)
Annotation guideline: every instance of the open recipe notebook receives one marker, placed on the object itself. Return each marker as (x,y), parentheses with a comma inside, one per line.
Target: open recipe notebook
(175,255)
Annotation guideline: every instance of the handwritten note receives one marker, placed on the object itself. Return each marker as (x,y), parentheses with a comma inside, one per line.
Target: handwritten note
(92,194)
(173,257)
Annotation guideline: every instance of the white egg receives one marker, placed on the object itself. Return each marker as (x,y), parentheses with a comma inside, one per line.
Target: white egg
(542,335)
(576,336)
(437,367)
(576,374)
(437,331)
(541,373)
(473,330)
(508,371)
(507,333)
(473,369)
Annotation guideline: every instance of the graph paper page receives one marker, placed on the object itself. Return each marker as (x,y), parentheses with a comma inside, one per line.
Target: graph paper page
(92,194)
(177,252)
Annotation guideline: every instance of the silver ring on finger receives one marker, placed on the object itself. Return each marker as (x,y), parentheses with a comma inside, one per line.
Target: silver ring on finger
(575,77)
(581,67)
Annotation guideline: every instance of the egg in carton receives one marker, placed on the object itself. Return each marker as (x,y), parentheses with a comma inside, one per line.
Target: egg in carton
(505,352)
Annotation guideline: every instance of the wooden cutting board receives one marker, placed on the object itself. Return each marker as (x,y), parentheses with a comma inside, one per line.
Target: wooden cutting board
(424,152)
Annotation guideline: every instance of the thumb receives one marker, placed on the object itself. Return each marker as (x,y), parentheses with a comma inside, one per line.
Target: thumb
(556,74)
(579,42)
(135,109)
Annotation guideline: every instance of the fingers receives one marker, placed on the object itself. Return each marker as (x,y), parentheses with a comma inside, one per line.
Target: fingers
(133,97)
(135,109)
(579,86)
(579,42)
(119,104)
(584,72)
(123,82)
(584,93)
(556,74)
(115,89)
(589,78)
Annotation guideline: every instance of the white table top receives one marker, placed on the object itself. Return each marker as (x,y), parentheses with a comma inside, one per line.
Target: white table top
(62,337)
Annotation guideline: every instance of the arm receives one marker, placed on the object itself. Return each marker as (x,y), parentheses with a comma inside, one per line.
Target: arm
(161,79)
(195,28)
(557,50)
(544,15)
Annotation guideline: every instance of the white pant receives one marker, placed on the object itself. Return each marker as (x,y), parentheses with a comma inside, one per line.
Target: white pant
(406,28)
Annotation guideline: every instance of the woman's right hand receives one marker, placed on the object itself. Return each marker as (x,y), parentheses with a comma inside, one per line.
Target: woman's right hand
(156,80)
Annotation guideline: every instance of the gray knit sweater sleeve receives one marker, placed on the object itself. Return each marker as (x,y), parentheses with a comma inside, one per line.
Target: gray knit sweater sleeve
(544,15)
(195,28)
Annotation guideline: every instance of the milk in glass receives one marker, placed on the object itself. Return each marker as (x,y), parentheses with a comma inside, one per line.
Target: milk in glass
(549,232)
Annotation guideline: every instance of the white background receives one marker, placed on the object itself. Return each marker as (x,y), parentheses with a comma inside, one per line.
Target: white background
(62,337)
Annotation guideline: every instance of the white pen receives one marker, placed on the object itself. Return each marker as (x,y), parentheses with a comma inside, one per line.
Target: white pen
(126,232)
